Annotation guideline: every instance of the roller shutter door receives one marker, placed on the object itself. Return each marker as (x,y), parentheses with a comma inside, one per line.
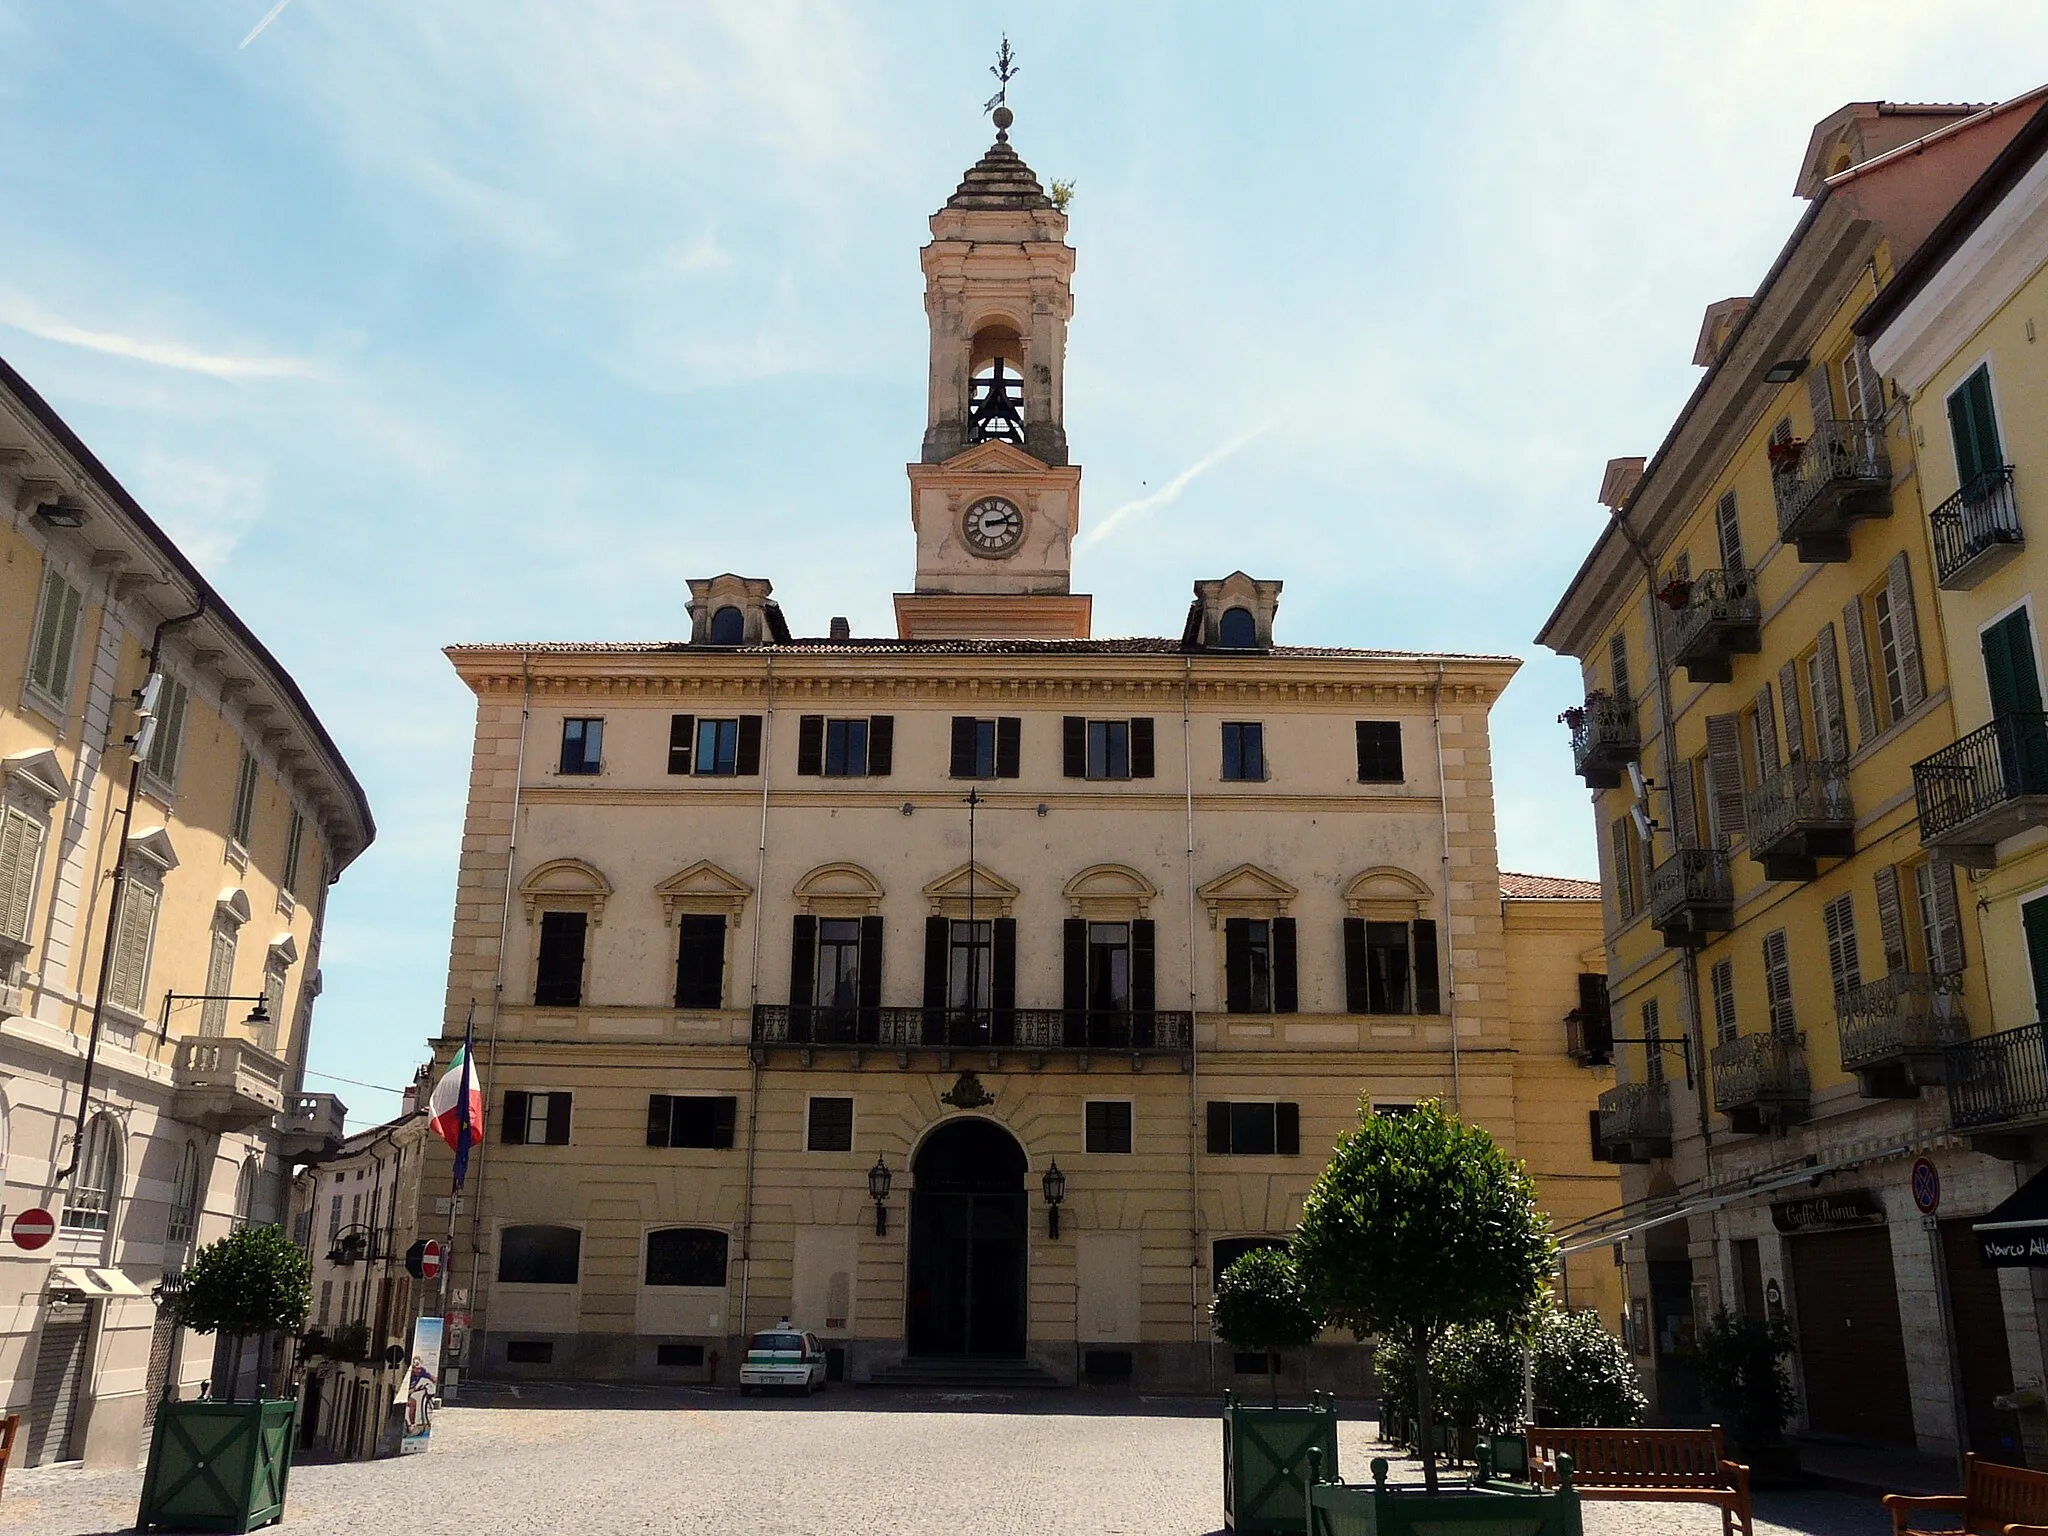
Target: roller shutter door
(1852,1352)
(60,1379)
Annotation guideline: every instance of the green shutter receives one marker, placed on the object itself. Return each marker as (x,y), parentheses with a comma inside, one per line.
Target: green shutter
(2034,919)
(1973,427)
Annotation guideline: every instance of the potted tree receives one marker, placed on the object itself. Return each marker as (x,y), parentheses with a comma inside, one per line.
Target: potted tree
(1419,1223)
(1746,1385)
(1583,1374)
(1260,1309)
(218,1463)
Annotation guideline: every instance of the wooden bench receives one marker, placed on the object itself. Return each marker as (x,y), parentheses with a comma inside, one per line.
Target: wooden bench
(8,1426)
(1667,1465)
(1996,1499)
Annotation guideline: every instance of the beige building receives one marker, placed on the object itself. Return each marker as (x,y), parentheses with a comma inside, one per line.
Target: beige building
(148,1103)
(974,993)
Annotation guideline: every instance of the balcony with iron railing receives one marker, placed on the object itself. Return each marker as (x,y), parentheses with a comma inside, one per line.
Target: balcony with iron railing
(1835,478)
(223,1083)
(1976,531)
(1635,1121)
(1801,813)
(1983,788)
(1998,1086)
(1718,619)
(1605,738)
(1692,897)
(1761,1081)
(1893,1031)
(314,1125)
(1156,1031)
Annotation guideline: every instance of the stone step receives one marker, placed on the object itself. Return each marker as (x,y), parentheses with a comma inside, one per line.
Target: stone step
(957,1372)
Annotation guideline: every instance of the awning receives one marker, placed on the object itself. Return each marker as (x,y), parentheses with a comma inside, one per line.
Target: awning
(2014,1235)
(94,1283)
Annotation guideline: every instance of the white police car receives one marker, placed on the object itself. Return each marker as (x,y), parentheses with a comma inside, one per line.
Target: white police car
(783,1357)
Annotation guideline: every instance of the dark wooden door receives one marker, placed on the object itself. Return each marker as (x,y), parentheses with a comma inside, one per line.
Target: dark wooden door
(1852,1351)
(967,1255)
(1978,1312)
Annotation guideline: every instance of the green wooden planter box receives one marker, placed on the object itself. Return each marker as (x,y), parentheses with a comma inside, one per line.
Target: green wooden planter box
(1479,1508)
(218,1465)
(1265,1460)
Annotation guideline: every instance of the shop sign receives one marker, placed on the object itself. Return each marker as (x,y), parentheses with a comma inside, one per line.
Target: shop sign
(2022,1249)
(1828,1213)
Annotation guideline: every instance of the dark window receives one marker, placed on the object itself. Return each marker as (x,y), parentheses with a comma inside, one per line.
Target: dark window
(1244,750)
(1109,749)
(728,627)
(1226,1251)
(535,1119)
(691,1120)
(558,975)
(688,1356)
(718,745)
(1108,1364)
(582,745)
(1379,752)
(1237,630)
(682,737)
(970,965)
(1108,1125)
(831,1126)
(1258,965)
(700,961)
(686,1256)
(539,1255)
(1254,1130)
(1106,749)
(1109,967)
(529,1352)
(1391,967)
(846,748)
(986,749)
(838,963)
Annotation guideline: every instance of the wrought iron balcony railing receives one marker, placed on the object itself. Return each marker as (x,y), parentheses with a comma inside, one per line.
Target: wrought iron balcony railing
(1976,530)
(1840,474)
(1893,1030)
(1998,1080)
(1984,787)
(1605,738)
(1023,1029)
(1800,813)
(1761,1080)
(1637,1116)
(1721,620)
(1691,896)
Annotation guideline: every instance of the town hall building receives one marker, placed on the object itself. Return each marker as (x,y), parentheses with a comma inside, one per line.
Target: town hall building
(976,993)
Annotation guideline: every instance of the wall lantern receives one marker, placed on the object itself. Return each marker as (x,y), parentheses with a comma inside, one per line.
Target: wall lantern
(1055,1186)
(61,514)
(879,1180)
(1785,370)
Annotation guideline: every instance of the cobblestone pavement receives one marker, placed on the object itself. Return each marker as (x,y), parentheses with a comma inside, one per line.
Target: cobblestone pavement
(850,1463)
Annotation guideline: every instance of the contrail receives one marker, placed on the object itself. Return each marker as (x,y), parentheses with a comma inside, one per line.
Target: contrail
(1170,492)
(268,17)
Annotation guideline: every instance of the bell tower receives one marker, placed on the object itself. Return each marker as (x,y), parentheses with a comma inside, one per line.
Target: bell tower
(994,500)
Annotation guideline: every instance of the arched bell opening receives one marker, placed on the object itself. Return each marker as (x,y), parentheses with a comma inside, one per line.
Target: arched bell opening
(995,391)
(969,1243)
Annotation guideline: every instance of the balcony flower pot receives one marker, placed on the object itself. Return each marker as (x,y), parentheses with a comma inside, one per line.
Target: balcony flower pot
(218,1464)
(1486,1505)
(1784,457)
(1675,594)
(1266,1454)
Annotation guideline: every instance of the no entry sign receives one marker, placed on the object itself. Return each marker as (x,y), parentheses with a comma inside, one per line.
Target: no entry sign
(430,1261)
(33,1228)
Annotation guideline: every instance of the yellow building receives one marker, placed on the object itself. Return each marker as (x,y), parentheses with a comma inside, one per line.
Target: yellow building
(969,995)
(144,1119)
(1764,665)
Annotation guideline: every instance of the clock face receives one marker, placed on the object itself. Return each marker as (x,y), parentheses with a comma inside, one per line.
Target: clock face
(992,526)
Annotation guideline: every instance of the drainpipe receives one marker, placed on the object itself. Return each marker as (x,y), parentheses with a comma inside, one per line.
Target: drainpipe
(119,888)
(755,1054)
(1187,760)
(1450,945)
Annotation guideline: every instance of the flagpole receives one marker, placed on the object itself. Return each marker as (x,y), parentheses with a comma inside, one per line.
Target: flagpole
(463,1137)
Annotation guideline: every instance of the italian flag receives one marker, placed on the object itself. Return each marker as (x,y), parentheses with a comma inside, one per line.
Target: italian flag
(456,1112)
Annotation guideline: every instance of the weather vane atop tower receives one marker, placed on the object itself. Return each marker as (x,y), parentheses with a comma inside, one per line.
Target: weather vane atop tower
(1004,69)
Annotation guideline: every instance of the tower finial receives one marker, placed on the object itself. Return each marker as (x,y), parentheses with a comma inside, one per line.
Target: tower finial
(1004,68)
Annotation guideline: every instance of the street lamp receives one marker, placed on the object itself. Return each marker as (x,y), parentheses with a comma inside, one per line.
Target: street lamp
(1055,1187)
(258,1019)
(879,1179)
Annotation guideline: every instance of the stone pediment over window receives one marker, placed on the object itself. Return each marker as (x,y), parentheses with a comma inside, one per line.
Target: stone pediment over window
(839,890)
(39,773)
(1247,891)
(154,847)
(993,895)
(1112,892)
(284,951)
(566,885)
(703,889)
(1390,893)
(232,906)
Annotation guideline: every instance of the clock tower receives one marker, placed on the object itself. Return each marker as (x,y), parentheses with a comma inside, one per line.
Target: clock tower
(993,499)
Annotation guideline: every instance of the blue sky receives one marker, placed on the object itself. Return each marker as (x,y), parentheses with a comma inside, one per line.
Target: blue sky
(430,323)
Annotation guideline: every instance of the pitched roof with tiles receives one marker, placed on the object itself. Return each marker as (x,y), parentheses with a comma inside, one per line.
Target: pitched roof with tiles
(1547,888)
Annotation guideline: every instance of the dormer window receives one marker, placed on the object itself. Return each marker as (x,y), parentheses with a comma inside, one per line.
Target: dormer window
(995,404)
(1237,630)
(728,627)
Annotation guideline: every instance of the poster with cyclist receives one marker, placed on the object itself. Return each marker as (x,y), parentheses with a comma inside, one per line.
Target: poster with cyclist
(420,1387)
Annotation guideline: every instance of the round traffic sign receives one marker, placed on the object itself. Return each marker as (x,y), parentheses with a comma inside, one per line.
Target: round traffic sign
(1926,1186)
(33,1228)
(430,1261)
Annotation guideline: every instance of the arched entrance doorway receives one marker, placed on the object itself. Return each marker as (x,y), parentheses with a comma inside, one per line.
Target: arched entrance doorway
(968,1243)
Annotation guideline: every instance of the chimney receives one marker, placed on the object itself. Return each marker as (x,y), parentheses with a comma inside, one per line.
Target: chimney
(841,630)
(1619,481)
(409,1100)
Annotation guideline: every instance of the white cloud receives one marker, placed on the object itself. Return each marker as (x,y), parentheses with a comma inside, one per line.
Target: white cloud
(1170,492)
(23,315)
(207,508)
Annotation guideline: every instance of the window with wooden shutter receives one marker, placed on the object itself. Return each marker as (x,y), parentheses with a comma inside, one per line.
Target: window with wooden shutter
(1778,984)
(1721,983)
(164,749)
(558,969)
(1379,752)
(700,960)
(1845,972)
(134,930)
(247,781)
(1622,853)
(1763,721)
(1891,920)
(682,735)
(1824,687)
(973,754)
(747,750)
(1728,528)
(1724,774)
(54,649)
(1856,637)
(1905,633)
(1684,816)
(1142,748)
(1355,969)
(220,980)
(1941,917)
(294,842)
(1820,398)
(1653,1048)
(1617,665)
(21,846)
(1795,714)
(1074,746)
(1973,428)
